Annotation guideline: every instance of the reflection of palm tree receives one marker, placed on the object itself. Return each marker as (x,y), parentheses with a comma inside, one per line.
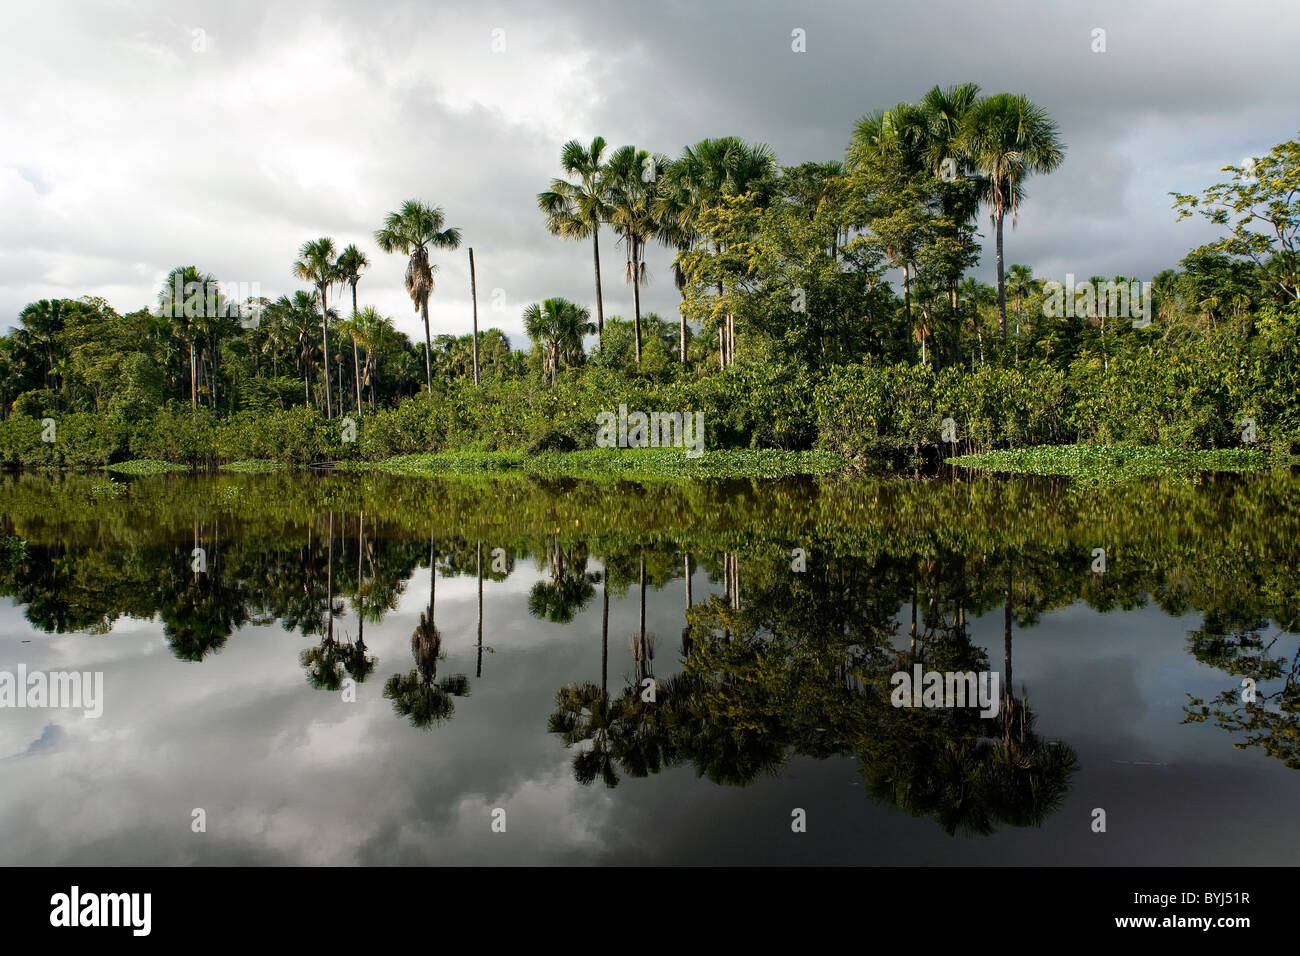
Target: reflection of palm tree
(570,588)
(327,663)
(583,714)
(419,695)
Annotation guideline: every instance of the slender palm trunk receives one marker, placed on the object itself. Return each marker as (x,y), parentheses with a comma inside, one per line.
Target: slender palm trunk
(194,379)
(428,344)
(1002,285)
(600,305)
(356,351)
(682,335)
(636,296)
(473,294)
(325,351)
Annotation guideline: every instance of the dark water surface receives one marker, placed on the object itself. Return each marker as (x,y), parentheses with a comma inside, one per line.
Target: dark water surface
(230,689)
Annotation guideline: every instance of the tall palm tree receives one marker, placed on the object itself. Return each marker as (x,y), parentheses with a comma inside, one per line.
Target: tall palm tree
(558,326)
(633,178)
(413,230)
(701,179)
(352,262)
(1008,138)
(185,327)
(890,148)
(576,210)
(318,264)
(944,112)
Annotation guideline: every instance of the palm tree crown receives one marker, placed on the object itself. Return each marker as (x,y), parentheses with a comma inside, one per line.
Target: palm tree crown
(413,230)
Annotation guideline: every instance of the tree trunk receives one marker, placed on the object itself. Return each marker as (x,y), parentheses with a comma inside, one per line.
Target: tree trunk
(473,294)
(356,359)
(1002,285)
(428,344)
(682,337)
(600,305)
(636,296)
(325,352)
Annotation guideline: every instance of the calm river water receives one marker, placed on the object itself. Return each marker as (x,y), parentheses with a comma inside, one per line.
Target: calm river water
(349,669)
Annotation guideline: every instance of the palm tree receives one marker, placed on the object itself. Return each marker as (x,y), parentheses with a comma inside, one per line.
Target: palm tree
(377,335)
(576,210)
(352,262)
(1008,138)
(701,179)
(974,296)
(558,326)
(184,326)
(293,322)
(318,264)
(1020,283)
(40,325)
(412,231)
(889,148)
(633,177)
(944,112)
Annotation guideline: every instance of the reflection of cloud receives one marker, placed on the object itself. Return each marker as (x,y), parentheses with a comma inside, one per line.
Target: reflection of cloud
(50,739)
(290,774)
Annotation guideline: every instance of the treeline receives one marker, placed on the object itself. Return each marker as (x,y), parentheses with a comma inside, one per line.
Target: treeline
(790,332)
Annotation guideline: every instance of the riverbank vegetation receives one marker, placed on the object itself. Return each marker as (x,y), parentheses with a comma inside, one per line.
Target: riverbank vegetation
(823,307)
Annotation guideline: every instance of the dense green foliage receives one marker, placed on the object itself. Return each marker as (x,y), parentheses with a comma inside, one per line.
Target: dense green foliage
(793,333)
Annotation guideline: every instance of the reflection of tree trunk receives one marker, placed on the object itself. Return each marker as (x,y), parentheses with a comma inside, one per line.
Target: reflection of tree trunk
(1006,631)
(643,599)
(478,565)
(734,596)
(604,641)
(914,609)
(329,586)
(361,547)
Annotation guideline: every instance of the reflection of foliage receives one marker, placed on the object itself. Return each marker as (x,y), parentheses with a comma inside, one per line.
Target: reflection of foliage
(424,702)
(1271,721)
(761,685)
(569,589)
(1222,547)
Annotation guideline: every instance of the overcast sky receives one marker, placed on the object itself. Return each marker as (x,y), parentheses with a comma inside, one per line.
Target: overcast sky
(131,143)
